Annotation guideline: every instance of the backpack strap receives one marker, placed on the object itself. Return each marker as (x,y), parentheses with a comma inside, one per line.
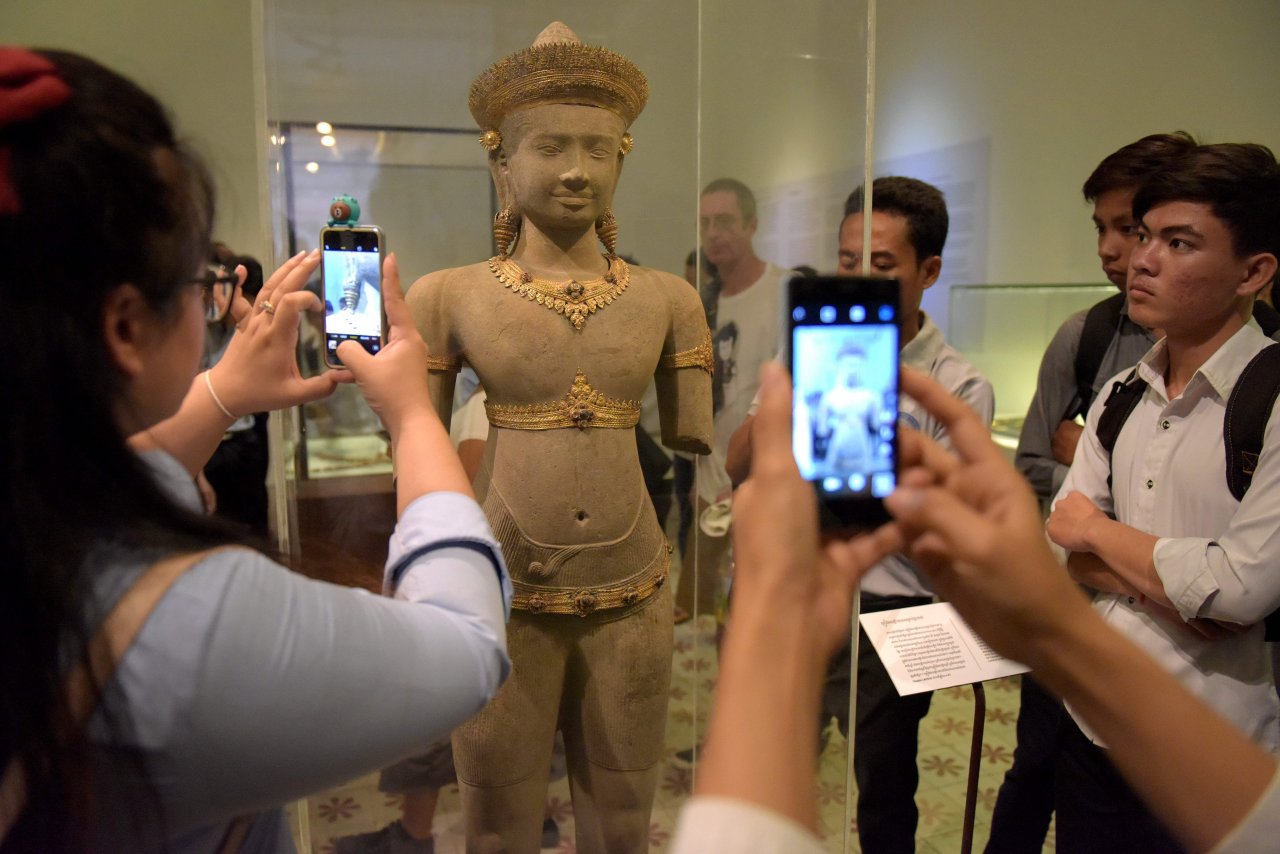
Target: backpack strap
(1119,405)
(1268,318)
(1248,410)
(1116,410)
(1100,325)
(105,650)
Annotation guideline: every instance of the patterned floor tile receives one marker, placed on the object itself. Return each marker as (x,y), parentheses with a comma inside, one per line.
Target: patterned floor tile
(943,761)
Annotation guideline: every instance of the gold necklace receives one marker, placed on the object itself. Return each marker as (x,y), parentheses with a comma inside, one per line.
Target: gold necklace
(573,300)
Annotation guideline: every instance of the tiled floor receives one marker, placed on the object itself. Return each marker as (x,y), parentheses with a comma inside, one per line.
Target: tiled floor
(943,759)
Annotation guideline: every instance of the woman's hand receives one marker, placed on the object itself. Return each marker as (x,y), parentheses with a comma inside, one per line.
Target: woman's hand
(971,522)
(259,370)
(781,563)
(394,382)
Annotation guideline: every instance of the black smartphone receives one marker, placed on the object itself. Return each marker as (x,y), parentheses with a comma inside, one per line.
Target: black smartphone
(842,335)
(351,268)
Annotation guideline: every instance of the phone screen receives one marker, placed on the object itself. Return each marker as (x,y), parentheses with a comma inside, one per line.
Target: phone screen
(843,341)
(352,271)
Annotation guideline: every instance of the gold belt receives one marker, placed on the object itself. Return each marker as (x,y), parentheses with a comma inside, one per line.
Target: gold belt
(582,407)
(590,600)
(581,579)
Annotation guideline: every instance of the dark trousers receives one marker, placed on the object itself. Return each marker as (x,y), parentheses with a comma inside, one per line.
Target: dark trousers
(1024,806)
(1097,811)
(237,471)
(682,472)
(885,741)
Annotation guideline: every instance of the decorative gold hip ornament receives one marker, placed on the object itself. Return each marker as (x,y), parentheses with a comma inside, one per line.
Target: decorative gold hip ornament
(573,299)
(582,407)
(506,225)
(607,231)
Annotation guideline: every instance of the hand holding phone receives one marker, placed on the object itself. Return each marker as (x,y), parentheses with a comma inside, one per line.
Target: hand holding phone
(842,336)
(352,273)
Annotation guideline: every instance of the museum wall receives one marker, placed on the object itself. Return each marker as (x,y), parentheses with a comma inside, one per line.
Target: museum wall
(1054,88)
(1049,93)
(198,57)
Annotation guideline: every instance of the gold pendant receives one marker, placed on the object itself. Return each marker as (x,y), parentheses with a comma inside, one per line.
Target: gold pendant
(573,300)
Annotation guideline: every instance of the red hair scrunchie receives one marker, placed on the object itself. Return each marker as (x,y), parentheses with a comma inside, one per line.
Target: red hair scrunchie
(29,87)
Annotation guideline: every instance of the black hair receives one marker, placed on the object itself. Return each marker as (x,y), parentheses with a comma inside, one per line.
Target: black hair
(1128,167)
(107,196)
(1240,182)
(253,279)
(746,198)
(921,205)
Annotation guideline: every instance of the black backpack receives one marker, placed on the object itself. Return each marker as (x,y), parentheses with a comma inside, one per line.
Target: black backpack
(1101,325)
(1248,410)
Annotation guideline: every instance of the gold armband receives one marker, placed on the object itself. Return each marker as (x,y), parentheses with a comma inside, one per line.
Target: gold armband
(435,363)
(698,357)
(582,407)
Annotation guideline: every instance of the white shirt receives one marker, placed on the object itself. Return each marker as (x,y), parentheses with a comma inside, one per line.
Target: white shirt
(755,316)
(712,823)
(470,423)
(1217,557)
(929,352)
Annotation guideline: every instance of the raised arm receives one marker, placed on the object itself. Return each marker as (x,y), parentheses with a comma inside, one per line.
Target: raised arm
(258,373)
(981,544)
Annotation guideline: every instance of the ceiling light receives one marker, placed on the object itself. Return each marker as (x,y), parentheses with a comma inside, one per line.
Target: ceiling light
(324,127)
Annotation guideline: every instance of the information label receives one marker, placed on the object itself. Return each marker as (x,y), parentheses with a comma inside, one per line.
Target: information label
(930,647)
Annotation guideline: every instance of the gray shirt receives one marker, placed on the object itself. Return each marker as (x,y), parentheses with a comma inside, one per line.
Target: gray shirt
(929,353)
(250,685)
(1056,394)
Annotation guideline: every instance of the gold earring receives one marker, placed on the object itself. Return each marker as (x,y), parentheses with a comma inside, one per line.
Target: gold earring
(607,231)
(506,225)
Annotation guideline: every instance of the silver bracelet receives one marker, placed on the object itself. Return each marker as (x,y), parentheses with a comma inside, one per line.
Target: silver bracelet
(208,383)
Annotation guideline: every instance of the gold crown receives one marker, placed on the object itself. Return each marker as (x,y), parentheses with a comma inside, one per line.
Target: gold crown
(558,69)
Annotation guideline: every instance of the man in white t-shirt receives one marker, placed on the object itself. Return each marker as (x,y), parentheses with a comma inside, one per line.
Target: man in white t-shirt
(744,335)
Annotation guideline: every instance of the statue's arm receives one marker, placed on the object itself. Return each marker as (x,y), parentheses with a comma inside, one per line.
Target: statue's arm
(428,300)
(683,377)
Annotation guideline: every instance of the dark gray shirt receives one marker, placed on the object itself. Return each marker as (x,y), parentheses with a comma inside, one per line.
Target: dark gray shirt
(1056,394)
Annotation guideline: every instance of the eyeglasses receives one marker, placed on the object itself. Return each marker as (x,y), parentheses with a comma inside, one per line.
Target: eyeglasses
(217,285)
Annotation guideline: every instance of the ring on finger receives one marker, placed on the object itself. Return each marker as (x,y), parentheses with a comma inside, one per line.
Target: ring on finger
(268,307)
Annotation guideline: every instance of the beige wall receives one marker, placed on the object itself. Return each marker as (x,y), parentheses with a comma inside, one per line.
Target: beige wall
(198,58)
(1055,87)
(1051,87)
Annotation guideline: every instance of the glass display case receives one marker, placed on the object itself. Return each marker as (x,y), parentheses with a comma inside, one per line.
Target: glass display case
(1004,330)
(371,100)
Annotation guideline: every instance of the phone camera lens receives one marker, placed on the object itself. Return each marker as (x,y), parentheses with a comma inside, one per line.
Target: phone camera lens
(857,314)
(827,313)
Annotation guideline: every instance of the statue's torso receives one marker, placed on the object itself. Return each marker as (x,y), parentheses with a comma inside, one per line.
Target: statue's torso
(565,485)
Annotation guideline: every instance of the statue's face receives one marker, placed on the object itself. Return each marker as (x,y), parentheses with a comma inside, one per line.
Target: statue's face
(562,163)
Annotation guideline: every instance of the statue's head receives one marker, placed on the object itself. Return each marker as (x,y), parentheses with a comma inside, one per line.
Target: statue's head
(554,119)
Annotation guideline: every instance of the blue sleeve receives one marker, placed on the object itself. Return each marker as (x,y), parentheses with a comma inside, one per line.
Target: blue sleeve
(250,685)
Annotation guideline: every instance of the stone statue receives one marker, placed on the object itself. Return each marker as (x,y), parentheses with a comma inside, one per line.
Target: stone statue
(565,340)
